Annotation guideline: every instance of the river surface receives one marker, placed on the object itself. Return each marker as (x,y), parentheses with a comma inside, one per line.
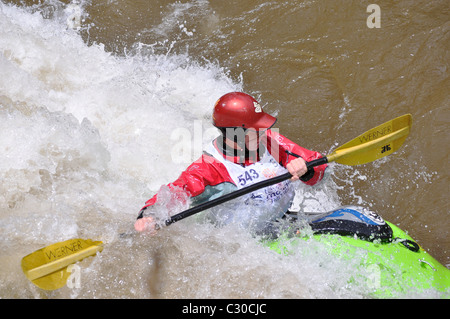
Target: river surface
(102,102)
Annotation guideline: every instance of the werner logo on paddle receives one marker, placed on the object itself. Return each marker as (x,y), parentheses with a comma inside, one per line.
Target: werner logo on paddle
(64,250)
(376,134)
(53,266)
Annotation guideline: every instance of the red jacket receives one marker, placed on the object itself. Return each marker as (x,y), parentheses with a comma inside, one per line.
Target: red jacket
(207,171)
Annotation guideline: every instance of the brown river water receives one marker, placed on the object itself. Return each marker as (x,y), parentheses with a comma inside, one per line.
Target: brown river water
(101,102)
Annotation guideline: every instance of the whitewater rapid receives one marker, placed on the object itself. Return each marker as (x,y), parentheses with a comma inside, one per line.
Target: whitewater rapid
(88,136)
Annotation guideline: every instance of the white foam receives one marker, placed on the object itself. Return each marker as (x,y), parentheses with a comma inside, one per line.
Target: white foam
(86,139)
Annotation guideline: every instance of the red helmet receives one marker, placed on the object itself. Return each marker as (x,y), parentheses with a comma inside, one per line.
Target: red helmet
(238,109)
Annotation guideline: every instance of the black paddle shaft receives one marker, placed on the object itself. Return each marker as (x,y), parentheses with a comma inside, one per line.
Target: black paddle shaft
(240,192)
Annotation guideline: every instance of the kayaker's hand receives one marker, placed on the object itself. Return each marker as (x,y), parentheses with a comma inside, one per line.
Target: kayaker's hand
(146,224)
(297,168)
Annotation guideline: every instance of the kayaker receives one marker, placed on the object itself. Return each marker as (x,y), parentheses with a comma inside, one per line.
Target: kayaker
(246,152)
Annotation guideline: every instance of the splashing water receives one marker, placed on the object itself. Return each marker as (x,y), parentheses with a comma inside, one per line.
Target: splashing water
(88,136)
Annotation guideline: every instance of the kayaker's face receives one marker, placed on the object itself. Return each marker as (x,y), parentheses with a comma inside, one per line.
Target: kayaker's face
(252,139)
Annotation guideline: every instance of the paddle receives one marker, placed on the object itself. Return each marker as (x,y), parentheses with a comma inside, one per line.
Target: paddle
(367,147)
(47,267)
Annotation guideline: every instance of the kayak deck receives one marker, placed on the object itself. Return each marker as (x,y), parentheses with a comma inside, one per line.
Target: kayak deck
(400,265)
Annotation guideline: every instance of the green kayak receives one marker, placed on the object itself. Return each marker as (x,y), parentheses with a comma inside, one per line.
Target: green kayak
(393,262)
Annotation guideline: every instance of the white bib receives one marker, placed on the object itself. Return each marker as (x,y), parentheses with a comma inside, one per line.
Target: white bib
(256,209)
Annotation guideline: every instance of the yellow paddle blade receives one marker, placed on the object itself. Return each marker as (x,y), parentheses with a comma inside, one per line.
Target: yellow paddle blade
(47,267)
(376,143)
